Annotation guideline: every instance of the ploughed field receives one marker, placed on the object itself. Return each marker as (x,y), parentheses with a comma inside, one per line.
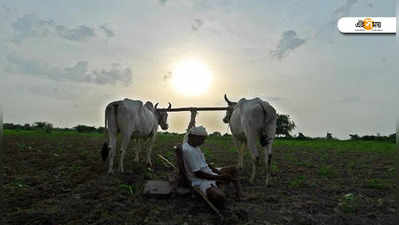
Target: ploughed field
(59,178)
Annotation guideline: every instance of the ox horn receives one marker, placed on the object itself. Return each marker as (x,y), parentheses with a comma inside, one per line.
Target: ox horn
(227,100)
(170,106)
(156,105)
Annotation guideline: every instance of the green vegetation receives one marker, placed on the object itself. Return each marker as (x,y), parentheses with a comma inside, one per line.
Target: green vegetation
(61,173)
(377,184)
(297,182)
(54,133)
(327,171)
(130,188)
(348,203)
(347,145)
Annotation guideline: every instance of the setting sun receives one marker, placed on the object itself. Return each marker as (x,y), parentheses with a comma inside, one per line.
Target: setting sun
(191,78)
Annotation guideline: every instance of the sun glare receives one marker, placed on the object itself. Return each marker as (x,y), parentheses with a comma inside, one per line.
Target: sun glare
(191,78)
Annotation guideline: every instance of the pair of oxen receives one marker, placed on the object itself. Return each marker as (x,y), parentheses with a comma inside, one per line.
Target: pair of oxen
(250,120)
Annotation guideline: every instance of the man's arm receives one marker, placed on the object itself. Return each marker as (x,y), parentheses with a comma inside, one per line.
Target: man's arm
(214,169)
(207,176)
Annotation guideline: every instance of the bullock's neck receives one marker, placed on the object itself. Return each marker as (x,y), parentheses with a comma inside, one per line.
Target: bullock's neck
(157,116)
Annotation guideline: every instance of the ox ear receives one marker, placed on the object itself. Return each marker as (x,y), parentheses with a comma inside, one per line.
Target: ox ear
(156,105)
(170,106)
(226,99)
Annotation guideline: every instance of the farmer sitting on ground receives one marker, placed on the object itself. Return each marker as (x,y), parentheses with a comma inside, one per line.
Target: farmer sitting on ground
(203,175)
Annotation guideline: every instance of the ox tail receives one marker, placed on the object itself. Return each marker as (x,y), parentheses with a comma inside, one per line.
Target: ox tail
(110,120)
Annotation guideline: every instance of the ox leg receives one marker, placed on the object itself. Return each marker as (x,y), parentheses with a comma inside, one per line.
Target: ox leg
(124,144)
(137,150)
(253,162)
(254,154)
(150,144)
(112,146)
(268,162)
(241,156)
(239,146)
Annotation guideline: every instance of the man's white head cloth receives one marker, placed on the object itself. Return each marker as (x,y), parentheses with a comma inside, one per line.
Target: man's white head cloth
(199,131)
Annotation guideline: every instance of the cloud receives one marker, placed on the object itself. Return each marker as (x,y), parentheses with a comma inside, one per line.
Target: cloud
(197,23)
(275,99)
(106,76)
(60,93)
(163,2)
(339,12)
(31,26)
(288,42)
(77,73)
(17,64)
(350,99)
(80,33)
(110,33)
(343,10)
(6,12)
(167,76)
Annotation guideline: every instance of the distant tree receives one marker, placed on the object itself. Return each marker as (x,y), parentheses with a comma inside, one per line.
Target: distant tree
(12,126)
(329,136)
(48,127)
(101,129)
(27,126)
(354,136)
(226,135)
(40,125)
(84,128)
(392,138)
(284,125)
(301,136)
(216,134)
(9,126)
(368,138)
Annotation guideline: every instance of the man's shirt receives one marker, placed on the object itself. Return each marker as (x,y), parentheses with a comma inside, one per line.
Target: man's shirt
(194,161)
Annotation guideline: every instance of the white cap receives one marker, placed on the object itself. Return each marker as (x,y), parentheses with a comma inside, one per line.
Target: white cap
(199,131)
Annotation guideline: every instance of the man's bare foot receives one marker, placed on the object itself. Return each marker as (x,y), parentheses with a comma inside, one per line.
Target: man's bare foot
(245,197)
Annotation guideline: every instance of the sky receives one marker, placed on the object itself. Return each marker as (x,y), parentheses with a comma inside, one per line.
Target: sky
(64,61)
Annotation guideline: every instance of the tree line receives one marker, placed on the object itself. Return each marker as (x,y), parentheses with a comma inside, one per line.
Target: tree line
(48,127)
(285,125)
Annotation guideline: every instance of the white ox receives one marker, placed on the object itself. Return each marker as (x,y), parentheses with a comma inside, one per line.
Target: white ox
(250,121)
(134,121)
